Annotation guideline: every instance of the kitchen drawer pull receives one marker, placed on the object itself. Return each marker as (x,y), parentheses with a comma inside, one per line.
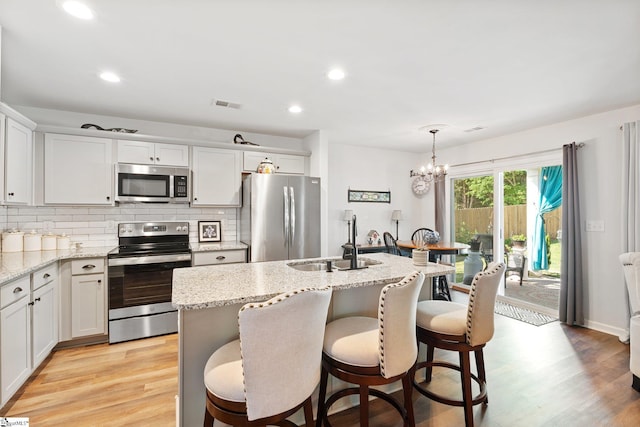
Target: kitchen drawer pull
(31,303)
(221,257)
(38,299)
(46,276)
(88,266)
(17,290)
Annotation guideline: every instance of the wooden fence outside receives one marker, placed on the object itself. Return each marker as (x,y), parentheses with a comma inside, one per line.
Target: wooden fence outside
(480,220)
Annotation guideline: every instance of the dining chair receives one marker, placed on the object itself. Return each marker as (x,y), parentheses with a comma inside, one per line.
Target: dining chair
(271,371)
(462,328)
(390,244)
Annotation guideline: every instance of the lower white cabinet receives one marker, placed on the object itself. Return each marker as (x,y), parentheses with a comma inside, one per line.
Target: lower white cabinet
(15,336)
(88,297)
(44,313)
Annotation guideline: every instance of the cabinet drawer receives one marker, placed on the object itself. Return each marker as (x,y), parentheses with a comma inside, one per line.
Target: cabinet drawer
(219,257)
(87,266)
(44,275)
(13,291)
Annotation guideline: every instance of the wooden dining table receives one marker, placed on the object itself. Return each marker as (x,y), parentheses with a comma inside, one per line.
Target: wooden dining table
(436,250)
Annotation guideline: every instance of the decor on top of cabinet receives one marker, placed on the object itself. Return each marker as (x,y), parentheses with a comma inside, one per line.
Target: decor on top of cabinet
(209,231)
(238,139)
(121,130)
(373,237)
(266,166)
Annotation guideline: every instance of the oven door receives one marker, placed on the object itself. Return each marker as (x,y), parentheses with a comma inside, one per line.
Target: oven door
(140,281)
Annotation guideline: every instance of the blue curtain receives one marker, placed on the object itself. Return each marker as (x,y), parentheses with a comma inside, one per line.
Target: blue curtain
(550,199)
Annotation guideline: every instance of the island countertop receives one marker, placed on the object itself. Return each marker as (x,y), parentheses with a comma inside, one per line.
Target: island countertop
(221,285)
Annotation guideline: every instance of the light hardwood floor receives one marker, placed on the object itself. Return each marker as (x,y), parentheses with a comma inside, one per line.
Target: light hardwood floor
(551,375)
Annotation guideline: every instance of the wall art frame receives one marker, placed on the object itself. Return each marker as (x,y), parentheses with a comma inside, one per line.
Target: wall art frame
(368,196)
(209,231)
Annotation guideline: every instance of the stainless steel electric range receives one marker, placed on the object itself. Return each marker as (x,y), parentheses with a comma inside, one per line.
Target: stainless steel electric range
(140,276)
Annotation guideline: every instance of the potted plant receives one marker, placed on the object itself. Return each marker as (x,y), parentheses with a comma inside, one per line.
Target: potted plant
(518,240)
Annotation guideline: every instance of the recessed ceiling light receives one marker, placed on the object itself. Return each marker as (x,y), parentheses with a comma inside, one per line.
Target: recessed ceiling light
(110,77)
(336,74)
(77,9)
(295,109)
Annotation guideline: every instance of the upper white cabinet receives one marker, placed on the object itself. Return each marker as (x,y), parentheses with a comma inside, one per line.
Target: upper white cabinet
(18,163)
(284,163)
(78,170)
(217,177)
(149,153)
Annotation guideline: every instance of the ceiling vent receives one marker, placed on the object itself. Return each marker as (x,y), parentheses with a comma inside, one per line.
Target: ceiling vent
(477,128)
(225,104)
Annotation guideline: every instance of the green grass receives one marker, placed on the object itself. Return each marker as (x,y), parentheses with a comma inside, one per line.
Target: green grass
(553,271)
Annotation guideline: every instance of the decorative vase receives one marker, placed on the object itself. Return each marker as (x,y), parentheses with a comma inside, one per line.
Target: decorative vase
(472,265)
(432,237)
(420,257)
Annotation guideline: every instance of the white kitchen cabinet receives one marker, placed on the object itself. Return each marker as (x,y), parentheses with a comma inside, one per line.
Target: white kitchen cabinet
(15,337)
(217,177)
(78,170)
(149,153)
(229,256)
(44,312)
(283,163)
(88,297)
(18,163)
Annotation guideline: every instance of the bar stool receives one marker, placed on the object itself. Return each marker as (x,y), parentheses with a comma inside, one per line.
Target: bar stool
(271,371)
(456,327)
(371,351)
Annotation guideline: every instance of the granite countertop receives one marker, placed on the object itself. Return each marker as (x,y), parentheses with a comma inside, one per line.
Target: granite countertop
(219,285)
(16,264)
(220,246)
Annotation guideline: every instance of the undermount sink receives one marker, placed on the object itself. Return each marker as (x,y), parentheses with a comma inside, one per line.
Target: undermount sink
(340,264)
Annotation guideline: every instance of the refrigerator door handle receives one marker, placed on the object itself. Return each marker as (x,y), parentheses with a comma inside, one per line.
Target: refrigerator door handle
(292,234)
(286,215)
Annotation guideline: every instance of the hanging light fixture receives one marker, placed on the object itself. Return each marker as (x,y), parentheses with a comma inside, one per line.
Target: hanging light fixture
(433,171)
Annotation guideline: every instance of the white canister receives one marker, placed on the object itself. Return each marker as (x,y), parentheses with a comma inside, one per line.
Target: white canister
(12,241)
(64,242)
(32,241)
(420,257)
(49,242)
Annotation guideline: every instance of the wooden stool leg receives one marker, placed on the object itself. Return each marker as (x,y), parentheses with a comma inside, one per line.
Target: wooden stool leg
(208,419)
(324,377)
(482,375)
(407,385)
(467,398)
(364,406)
(429,369)
(308,412)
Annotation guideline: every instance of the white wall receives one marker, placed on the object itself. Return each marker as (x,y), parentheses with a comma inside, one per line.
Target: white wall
(364,168)
(599,165)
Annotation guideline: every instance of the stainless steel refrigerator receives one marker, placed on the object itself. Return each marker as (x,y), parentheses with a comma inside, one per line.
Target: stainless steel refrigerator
(280,216)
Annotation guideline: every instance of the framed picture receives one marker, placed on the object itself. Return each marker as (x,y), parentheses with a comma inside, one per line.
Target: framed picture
(369,196)
(209,231)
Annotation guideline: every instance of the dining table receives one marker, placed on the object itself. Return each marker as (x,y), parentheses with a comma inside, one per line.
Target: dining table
(436,250)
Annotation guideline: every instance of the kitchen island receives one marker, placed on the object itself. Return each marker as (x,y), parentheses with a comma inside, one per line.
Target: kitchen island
(208,299)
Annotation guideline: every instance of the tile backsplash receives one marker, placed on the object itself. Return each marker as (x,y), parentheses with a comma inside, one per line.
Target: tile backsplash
(97,226)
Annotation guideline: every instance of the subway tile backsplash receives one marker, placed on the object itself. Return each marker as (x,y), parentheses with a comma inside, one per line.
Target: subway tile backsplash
(97,226)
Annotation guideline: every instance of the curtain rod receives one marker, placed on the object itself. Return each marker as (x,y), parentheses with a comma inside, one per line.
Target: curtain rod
(580,145)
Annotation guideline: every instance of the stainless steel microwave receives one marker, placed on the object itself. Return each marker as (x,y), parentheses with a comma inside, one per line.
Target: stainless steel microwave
(152,184)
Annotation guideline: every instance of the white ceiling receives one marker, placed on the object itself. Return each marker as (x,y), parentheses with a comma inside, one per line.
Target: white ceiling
(506,65)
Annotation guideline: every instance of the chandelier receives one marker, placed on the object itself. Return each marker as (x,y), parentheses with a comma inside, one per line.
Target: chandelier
(433,171)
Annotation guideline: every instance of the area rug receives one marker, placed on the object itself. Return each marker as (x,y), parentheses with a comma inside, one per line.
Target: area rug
(523,314)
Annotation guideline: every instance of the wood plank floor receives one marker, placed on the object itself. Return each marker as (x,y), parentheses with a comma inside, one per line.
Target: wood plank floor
(551,375)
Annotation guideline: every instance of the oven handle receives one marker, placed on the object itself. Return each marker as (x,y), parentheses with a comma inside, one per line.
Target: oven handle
(154,259)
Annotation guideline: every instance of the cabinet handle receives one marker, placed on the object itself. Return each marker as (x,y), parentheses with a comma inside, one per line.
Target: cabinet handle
(46,276)
(17,290)
(221,257)
(151,158)
(11,194)
(157,159)
(38,299)
(31,303)
(99,282)
(195,199)
(88,266)
(108,198)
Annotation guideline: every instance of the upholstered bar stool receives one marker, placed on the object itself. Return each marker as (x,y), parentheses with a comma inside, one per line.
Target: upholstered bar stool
(271,371)
(631,265)
(371,351)
(465,329)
